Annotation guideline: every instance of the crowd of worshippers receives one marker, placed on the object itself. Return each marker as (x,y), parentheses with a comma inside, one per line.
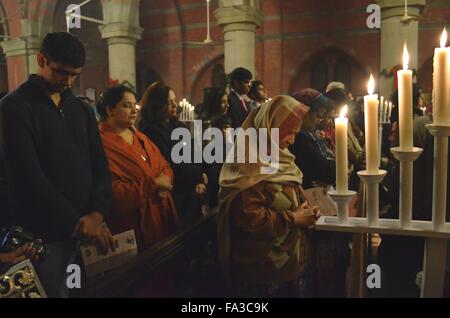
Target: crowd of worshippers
(74,172)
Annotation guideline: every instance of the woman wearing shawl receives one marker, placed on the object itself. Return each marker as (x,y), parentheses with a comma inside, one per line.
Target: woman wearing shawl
(262,217)
(141,178)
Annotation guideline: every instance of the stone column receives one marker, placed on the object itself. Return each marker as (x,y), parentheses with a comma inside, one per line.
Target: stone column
(395,31)
(121,32)
(239,20)
(21,53)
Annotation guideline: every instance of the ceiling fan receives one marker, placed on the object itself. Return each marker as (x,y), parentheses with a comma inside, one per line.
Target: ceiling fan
(406,17)
(73,13)
(207,41)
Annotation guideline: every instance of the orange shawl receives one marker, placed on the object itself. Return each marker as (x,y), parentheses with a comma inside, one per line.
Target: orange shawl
(136,204)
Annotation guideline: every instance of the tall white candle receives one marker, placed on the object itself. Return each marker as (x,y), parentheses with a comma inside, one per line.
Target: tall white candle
(371,124)
(385,110)
(341,124)
(390,111)
(441,83)
(405,102)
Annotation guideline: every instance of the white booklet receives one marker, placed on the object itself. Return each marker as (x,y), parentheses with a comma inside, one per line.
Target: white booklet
(318,196)
(96,263)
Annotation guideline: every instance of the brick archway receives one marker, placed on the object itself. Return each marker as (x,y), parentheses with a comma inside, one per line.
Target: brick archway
(204,78)
(326,65)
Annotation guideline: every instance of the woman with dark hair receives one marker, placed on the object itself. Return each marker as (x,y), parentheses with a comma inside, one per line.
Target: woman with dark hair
(311,153)
(141,177)
(215,104)
(158,121)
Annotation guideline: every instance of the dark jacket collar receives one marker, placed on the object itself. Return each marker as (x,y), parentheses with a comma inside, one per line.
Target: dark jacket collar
(38,85)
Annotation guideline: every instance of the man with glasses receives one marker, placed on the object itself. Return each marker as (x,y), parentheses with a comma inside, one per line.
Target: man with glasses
(58,175)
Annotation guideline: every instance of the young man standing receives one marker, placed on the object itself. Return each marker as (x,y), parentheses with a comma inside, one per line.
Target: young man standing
(257,94)
(240,86)
(58,176)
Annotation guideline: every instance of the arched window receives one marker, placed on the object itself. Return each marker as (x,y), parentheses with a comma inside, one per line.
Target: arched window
(319,74)
(143,82)
(219,78)
(3,74)
(342,72)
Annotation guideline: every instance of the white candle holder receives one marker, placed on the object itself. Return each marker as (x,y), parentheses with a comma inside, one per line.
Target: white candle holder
(441,134)
(342,200)
(371,180)
(406,158)
(435,255)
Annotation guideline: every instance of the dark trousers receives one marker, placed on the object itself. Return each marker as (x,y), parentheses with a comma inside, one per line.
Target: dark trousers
(52,271)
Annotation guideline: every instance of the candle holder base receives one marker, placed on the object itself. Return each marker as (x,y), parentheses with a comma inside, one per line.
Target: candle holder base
(438,130)
(342,199)
(341,196)
(406,155)
(371,177)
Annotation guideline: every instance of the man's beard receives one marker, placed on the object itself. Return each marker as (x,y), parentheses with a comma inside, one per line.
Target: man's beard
(52,88)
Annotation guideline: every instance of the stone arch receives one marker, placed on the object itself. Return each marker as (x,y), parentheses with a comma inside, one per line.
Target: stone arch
(43,12)
(425,78)
(163,27)
(145,76)
(203,77)
(326,65)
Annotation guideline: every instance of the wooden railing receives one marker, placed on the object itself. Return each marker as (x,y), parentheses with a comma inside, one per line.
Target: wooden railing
(145,272)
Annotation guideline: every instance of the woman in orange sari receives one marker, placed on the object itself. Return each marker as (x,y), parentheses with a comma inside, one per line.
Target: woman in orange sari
(142,179)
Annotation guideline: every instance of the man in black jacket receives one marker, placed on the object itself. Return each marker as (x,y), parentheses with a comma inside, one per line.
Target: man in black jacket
(57,170)
(240,86)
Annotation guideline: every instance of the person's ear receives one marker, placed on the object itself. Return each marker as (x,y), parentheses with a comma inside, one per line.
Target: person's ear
(109,111)
(40,59)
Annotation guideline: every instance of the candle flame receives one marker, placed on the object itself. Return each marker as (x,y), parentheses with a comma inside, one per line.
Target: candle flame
(444,38)
(405,57)
(371,85)
(343,112)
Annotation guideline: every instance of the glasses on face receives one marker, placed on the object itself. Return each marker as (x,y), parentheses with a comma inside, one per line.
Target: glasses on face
(59,70)
(63,72)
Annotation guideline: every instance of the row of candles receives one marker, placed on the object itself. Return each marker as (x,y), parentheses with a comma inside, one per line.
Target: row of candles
(441,114)
(187,111)
(385,110)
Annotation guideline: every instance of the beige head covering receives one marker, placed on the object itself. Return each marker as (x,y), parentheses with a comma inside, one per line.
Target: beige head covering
(334,85)
(282,112)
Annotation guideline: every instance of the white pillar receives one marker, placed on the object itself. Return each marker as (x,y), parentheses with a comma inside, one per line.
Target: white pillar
(27,45)
(394,33)
(239,20)
(121,32)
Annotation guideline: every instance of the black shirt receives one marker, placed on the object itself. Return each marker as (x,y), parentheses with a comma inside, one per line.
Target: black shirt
(56,165)
(312,161)
(236,111)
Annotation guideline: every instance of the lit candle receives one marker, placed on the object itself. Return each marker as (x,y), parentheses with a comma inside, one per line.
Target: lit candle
(386,111)
(441,83)
(390,111)
(371,124)
(341,124)
(405,104)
